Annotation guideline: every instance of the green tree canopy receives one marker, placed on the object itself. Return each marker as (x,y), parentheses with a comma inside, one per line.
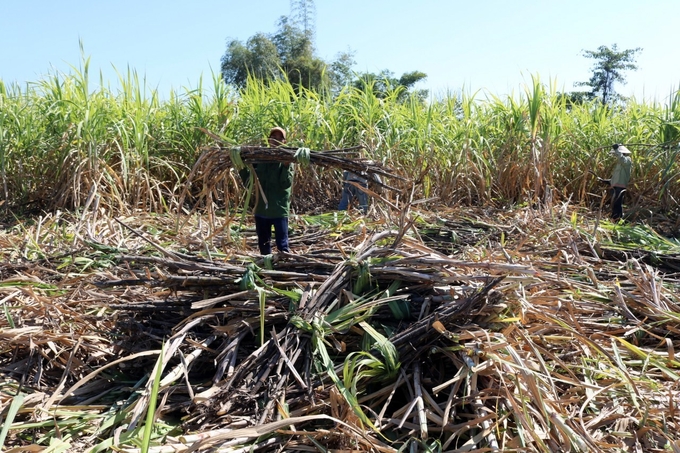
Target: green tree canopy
(287,53)
(385,83)
(341,73)
(258,57)
(608,69)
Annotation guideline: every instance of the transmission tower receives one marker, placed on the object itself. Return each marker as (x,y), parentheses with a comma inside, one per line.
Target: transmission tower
(303,14)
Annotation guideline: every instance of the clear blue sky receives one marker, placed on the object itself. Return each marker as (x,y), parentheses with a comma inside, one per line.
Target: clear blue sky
(494,45)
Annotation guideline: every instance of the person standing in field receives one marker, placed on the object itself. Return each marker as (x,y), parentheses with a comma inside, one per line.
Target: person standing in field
(351,192)
(272,189)
(620,178)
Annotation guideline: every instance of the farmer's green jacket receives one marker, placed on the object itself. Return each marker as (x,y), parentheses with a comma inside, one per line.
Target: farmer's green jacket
(621,173)
(276,180)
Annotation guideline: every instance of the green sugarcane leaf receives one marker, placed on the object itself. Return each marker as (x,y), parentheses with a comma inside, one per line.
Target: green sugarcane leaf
(153,398)
(14,407)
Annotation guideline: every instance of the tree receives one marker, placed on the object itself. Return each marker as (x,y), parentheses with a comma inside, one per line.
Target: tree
(289,52)
(341,73)
(608,69)
(573,98)
(296,51)
(303,13)
(384,83)
(258,57)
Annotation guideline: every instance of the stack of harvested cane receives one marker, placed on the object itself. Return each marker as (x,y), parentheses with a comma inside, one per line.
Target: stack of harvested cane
(330,158)
(275,357)
(217,160)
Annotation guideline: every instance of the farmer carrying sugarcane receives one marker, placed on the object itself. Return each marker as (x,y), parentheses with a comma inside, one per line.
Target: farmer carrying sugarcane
(620,178)
(273,191)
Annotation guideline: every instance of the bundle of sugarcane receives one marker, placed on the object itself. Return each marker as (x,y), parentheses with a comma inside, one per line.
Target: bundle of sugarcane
(214,166)
(222,157)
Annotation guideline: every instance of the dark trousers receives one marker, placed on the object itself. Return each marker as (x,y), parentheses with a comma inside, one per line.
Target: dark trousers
(351,192)
(617,202)
(263,227)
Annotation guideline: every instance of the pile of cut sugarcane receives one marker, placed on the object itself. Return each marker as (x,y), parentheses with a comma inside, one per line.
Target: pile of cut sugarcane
(364,339)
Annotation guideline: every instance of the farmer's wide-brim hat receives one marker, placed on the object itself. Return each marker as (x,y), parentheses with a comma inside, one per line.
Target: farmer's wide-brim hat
(280,130)
(616,148)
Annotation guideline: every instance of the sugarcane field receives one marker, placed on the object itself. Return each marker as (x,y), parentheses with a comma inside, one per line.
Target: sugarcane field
(483,299)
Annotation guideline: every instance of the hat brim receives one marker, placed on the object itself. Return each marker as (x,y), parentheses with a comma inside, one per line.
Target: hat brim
(278,130)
